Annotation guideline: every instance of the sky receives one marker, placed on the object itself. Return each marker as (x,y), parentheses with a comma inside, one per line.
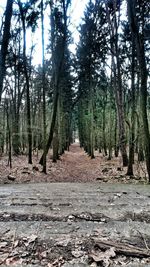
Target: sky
(76,11)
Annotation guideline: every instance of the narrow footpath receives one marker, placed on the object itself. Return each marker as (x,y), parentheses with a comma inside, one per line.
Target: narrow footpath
(74,166)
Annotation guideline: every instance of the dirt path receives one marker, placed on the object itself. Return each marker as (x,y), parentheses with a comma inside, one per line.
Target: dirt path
(59,224)
(79,223)
(77,166)
(74,166)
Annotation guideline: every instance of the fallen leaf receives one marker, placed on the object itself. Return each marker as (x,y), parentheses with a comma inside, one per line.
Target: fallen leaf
(100,256)
(63,242)
(43,254)
(32,238)
(77,253)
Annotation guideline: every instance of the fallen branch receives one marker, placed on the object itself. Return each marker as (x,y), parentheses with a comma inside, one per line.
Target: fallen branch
(122,248)
(142,236)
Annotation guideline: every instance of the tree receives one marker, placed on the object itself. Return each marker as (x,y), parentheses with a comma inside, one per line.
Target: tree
(133,113)
(43,89)
(138,37)
(92,39)
(58,43)
(4,42)
(113,17)
(31,19)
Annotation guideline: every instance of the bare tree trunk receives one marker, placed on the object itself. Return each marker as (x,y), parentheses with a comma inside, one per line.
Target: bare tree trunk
(9,136)
(43,85)
(50,138)
(132,128)
(116,146)
(4,42)
(121,114)
(104,126)
(92,125)
(143,73)
(27,85)
(114,24)
(57,63)
(55,145)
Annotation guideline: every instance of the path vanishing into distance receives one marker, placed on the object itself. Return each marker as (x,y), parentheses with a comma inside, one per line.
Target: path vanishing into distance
(74,166)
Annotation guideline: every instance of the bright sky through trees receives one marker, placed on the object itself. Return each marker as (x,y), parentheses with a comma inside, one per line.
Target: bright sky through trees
(76,13)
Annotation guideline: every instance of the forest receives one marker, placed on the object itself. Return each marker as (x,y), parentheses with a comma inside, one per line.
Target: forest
(98,93)
(74,133)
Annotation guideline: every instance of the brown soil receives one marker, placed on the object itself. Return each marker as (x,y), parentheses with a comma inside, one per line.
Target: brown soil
(74,166)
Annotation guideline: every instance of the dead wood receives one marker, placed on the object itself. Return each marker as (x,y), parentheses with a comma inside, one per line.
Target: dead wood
(122,248)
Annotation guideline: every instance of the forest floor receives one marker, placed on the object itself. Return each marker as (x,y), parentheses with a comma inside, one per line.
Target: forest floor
(74,166)
(102,219)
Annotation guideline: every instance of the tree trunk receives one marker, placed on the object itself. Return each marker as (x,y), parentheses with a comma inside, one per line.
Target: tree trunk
(143,73)
(92,127)
(121,117)
(50,138)
(55,145)
(29,131)
(117,81)
(43,85)
(104,130)
(4,42)
(132,128)
(58,49)
(110,133)
(9,136)
(16,135)
(116,147)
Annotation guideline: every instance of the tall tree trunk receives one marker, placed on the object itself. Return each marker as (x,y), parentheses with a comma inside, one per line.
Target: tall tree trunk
(116,145)
(4,42)
(132,127)
(113,24)
(58,49)
(143,73)
(121,112)
(52,127)
(91,123)
(104,127)
(27,85)
(9,135)
(16,135)
(110,132)
(55,144)
(43,85)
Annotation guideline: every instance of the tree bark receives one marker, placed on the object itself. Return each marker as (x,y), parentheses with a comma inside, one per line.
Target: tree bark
(5,42)
(132,16)
(57,63)
(27,84)
(117,81)
(43,90)
(132,128)
(104,126)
